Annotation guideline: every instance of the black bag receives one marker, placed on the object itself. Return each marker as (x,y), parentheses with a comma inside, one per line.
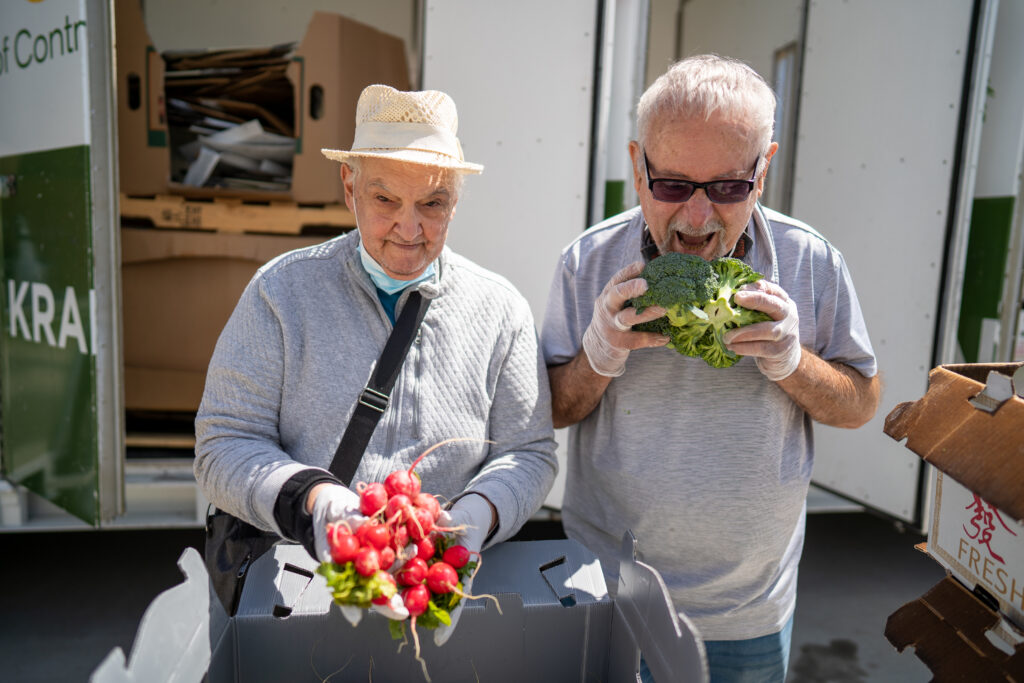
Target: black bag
(233,545)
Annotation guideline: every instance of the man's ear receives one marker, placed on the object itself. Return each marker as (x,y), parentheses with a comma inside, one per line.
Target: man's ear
(635,156)
(772,149)
(348,178)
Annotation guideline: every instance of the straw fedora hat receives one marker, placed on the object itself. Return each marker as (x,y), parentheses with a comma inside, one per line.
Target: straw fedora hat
(418,127)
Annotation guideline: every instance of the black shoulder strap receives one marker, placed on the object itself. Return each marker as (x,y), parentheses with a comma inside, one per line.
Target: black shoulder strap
(374,399)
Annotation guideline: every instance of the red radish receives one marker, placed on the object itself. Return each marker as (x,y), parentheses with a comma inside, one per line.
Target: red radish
(386,592)
(344,547)
(367,561)
(441,578)
(373,499)
(398,509)
(416,483)
(387,557)
(400,538)
(412,572)
(416,599)
(337,530)
(427,502)
(401,482)
(376,535)
(420,524)
(457,556)
(425,548)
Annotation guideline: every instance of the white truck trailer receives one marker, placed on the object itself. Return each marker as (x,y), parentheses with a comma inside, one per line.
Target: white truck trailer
(900,127)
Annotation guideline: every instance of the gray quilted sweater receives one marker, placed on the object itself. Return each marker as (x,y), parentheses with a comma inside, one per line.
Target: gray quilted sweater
(301,345)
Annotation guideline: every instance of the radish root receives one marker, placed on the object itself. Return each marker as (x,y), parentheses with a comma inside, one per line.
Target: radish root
(416,641)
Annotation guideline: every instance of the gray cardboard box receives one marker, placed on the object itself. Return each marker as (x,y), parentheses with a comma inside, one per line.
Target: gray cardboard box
(557,623)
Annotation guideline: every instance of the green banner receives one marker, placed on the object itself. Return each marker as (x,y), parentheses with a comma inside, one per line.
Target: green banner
(48,351)
(984,272)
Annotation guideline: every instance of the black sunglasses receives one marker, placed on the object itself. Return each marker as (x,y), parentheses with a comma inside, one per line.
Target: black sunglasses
(718,191)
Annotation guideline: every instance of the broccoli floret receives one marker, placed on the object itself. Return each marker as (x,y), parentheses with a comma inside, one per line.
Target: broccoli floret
(698,298)
(675,280)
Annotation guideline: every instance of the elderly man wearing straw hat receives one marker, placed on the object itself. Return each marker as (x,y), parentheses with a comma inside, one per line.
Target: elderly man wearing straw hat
(292,370)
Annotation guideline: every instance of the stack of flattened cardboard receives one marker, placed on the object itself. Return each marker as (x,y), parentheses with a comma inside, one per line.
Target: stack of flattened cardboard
(231,117)
(969,626)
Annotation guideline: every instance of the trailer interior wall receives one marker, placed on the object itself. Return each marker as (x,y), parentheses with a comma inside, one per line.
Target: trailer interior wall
(990,329)
(201,24)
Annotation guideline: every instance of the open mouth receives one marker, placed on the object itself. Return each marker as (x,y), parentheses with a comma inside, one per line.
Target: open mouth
(692,243)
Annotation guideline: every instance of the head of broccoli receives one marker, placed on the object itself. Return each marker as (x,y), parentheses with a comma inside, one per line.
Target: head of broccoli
(697,296)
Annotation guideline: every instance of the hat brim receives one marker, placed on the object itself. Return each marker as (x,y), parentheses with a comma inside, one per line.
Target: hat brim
(412,156)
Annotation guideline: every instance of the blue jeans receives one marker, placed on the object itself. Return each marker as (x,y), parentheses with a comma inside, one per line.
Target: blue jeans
(758,660)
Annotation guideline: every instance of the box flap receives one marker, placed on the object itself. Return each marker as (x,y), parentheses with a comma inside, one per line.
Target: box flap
(337,58)
(982,450)
(143,155)
(947,628)
(646,619)
(178,632)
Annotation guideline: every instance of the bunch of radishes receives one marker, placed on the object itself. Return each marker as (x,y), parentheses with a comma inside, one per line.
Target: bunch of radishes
(402,524)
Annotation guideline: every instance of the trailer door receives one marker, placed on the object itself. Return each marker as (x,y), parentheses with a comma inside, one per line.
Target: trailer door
(891,105)
(62,432)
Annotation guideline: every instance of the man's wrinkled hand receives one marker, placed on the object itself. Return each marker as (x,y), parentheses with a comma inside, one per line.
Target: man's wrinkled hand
(774,344)
(609,338)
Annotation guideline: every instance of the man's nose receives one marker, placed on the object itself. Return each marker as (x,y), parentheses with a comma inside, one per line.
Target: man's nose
(407,223)
(699,208)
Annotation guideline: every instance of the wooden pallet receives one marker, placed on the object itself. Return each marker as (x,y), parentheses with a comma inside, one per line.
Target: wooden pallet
(160,440)
(235,215)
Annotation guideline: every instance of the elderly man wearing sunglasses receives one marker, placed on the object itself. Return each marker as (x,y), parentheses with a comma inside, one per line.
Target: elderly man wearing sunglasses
(708,467)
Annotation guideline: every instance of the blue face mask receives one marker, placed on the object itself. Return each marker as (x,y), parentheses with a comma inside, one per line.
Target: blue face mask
(385,282)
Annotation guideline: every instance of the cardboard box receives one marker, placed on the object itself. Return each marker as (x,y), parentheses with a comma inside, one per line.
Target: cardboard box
(178,289)
(337,58)
(969,427)
(557,624)
(143,154)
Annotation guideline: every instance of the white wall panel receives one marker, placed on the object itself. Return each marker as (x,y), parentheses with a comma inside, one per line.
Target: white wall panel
(876,143)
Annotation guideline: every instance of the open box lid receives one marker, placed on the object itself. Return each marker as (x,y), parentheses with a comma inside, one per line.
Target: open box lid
(970,425)
(948,629)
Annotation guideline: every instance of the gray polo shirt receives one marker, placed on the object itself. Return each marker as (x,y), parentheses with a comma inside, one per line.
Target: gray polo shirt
(708,467)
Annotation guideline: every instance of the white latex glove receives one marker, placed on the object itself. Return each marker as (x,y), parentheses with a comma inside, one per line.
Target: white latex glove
(774,344)
(394,609)
(334,503)
(609,339)
(474,513)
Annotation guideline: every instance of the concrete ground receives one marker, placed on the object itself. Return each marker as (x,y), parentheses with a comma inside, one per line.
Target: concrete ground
(70,597)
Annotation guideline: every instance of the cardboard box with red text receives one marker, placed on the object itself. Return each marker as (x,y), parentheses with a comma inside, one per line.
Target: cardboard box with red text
(969,427)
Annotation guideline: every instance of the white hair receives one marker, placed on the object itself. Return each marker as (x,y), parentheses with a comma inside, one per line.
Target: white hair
(702,85)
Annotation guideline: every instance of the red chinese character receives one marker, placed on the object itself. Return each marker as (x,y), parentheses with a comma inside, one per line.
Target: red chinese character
(983,523)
